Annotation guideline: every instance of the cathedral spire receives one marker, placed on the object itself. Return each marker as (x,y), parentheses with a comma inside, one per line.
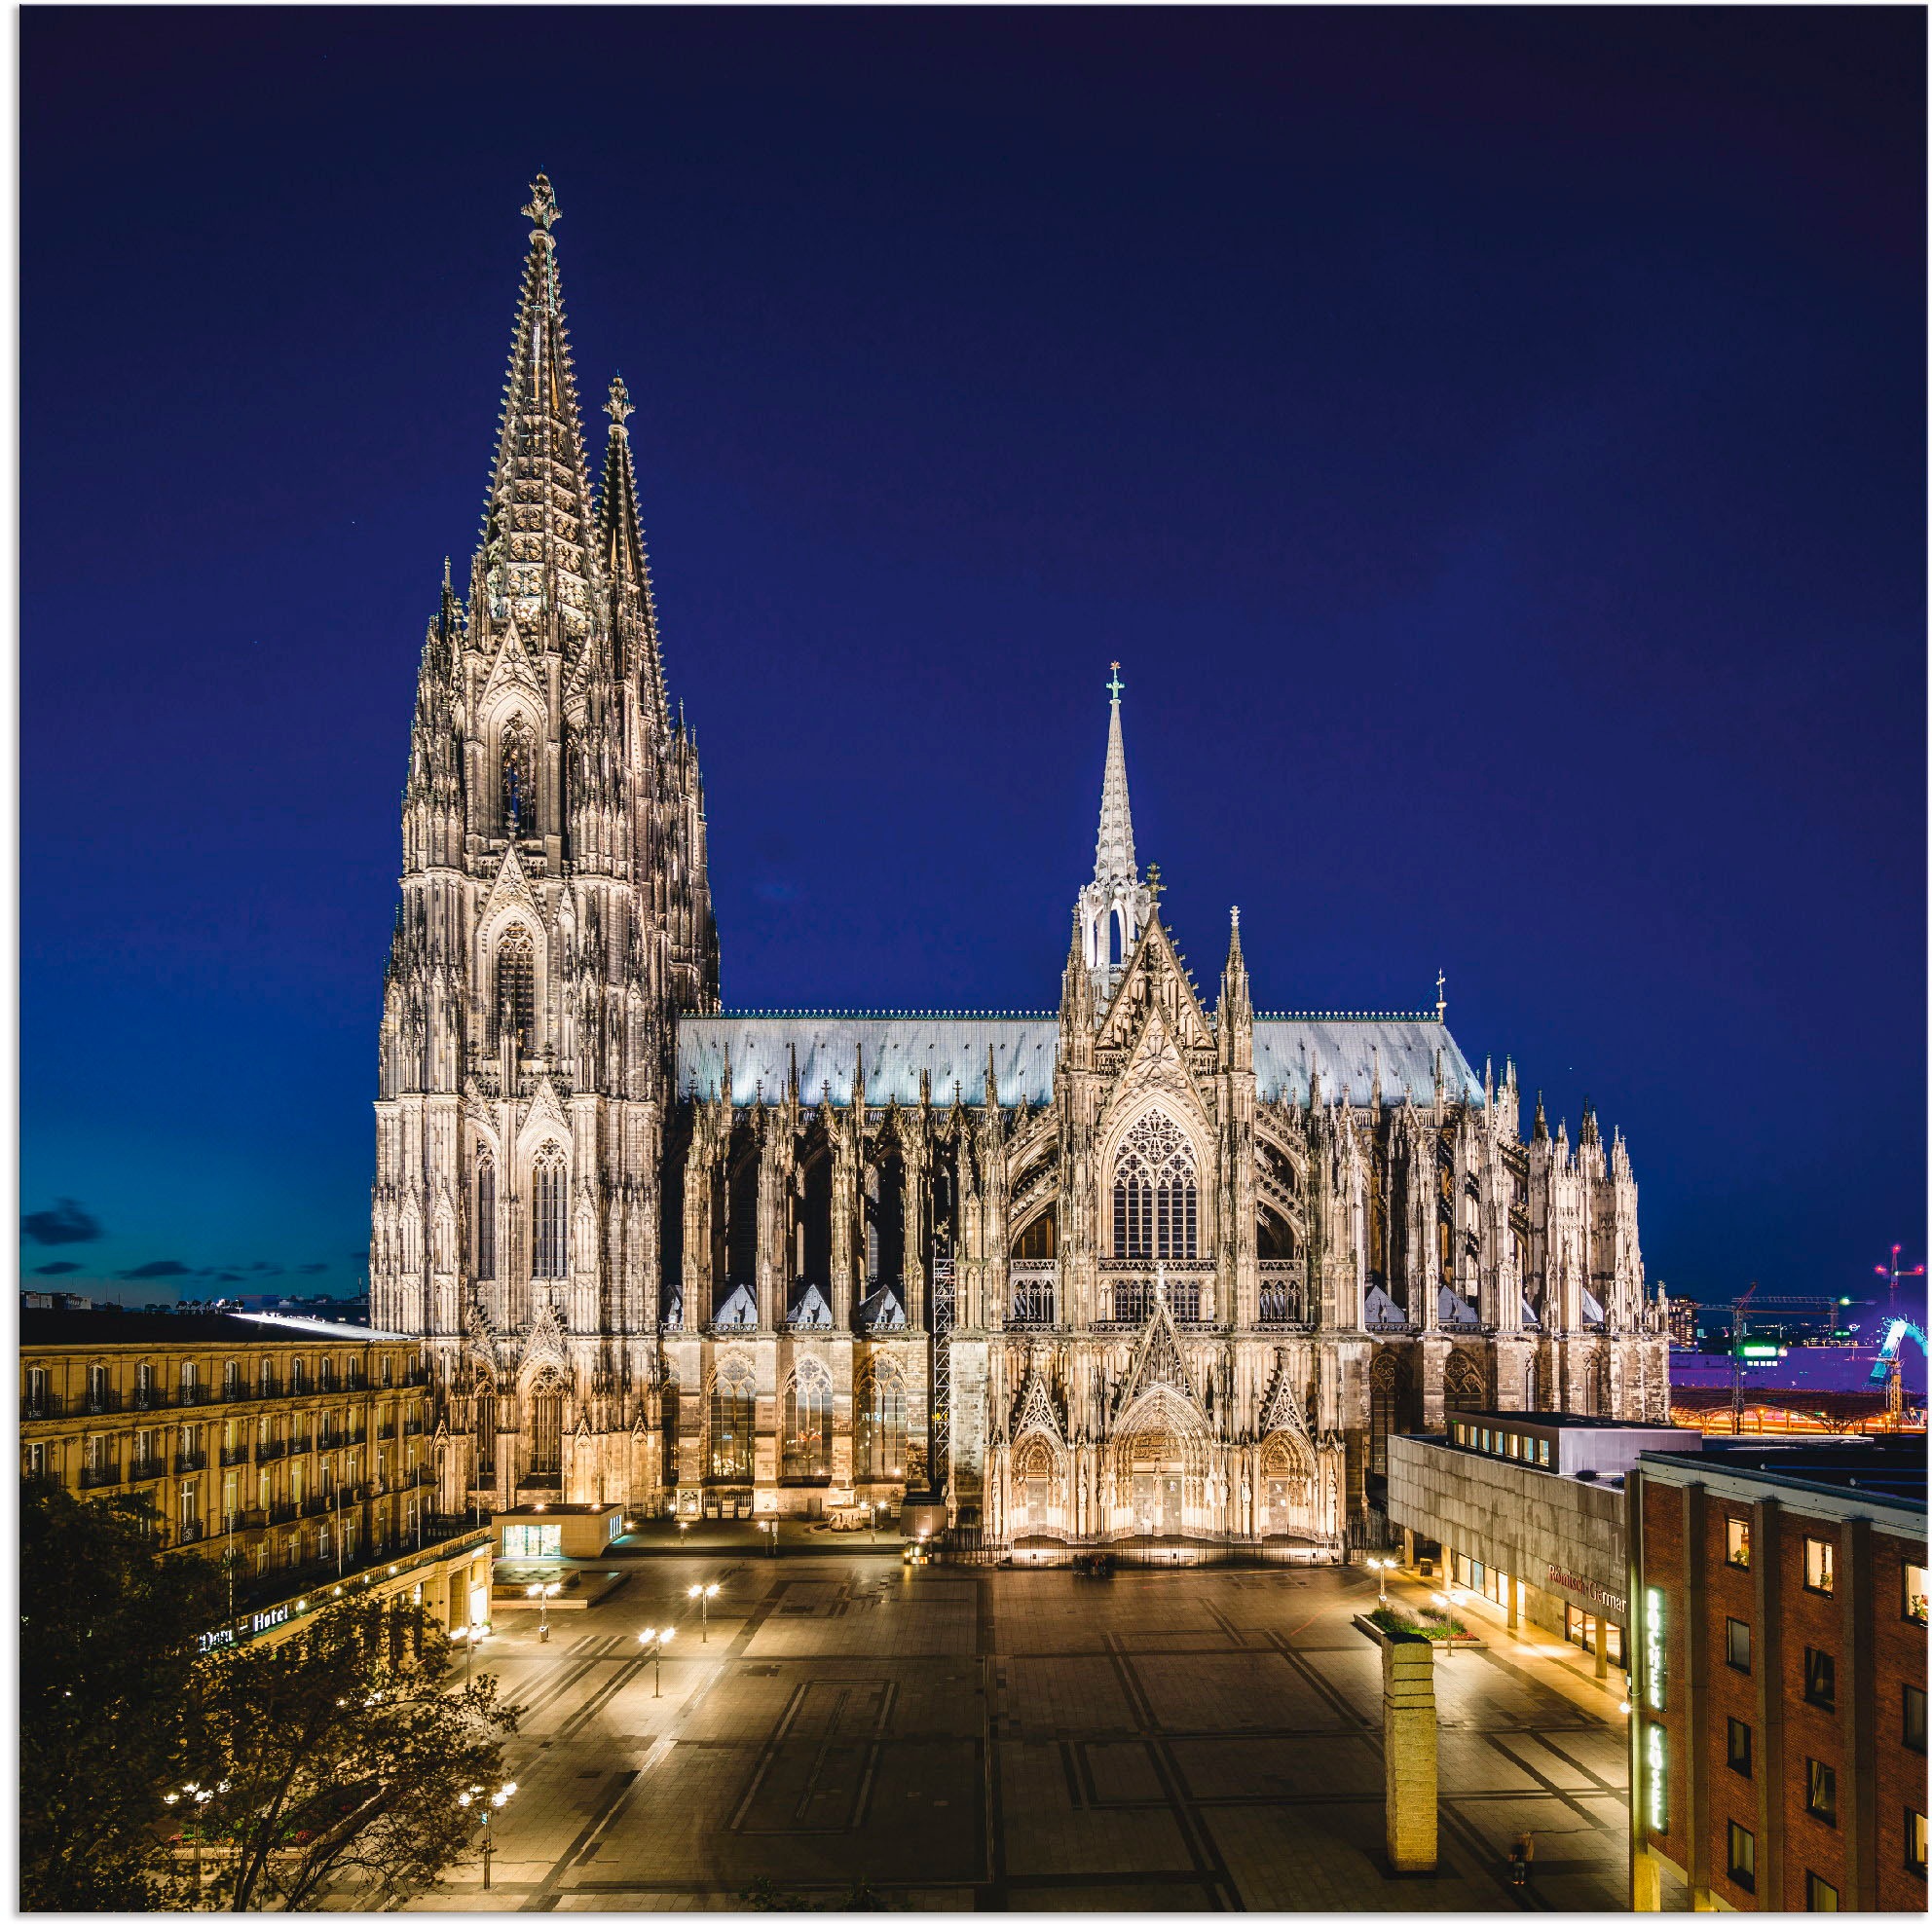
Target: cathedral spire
(1113,855)
(626,565)
(1116,904)
(537,563)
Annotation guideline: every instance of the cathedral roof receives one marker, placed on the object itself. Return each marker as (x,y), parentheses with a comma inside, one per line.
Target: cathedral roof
(1347,1052)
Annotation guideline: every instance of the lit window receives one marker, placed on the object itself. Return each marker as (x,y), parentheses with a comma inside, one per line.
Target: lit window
(1737,1543)
(1819,1895)
(1742,1858)
(1818,1564)
(1821,1791)
(1737,1747)
(1542,1451)
(1913,1733)
(1821,1679)
(1737,1644)
(1914,1841)
(1915,1592)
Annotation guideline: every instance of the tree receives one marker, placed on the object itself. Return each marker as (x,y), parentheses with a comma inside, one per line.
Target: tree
(108,1636)
(341,1754)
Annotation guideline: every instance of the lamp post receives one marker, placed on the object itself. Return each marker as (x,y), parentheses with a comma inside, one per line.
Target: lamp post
(543,1592)
(703,1593)
(683,1524)
(196,1797)
(490,1800)
(1381,1566)
(469,1635)
(653,1642)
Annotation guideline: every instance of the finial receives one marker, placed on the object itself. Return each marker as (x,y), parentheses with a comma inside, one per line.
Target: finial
(446,575)
(1442,1002)
(543,208)
(618,406)
(1116,685)
(1154,884)
(1233,915)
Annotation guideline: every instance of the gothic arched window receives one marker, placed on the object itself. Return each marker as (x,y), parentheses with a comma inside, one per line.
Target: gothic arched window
(733,1411)
(1461,1384)
(807,1438)
(516,990)
(1383,1377)
(1156,1206)
(549,1216)
(547,1428)
(882,1426)
(486,1218)
(516,764)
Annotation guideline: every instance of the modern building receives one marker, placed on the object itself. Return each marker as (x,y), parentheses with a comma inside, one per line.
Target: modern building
(295,1452)
(1778,1745)
(1141,1264)
(1525,1514)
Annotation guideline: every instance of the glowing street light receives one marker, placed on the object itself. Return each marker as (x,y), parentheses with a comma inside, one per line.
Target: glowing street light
(1381,1566)
(543,1592)
(468,1635)
(490,1800)
(196,1797)
(653,1642)
(703,1593)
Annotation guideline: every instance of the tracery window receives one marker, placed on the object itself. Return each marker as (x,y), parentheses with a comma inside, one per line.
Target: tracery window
(516,990)
(807,1439)
(547,1428)
(1156,1206)
(516,764)
(733,1411)
(881,1439)
(1382,1378)
(486,1218)
(549,1216)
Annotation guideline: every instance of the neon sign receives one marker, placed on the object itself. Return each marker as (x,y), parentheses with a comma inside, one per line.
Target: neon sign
(1654,1672)
(1654,1807)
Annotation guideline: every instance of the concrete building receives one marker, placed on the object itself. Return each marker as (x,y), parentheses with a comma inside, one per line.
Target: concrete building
(294,1452)
(1526,1514)
(1779,1745)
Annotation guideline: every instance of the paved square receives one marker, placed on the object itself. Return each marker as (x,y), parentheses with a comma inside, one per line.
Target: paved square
(1024,1740)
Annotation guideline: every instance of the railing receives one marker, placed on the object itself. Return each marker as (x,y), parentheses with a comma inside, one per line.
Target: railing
(282,1512)
(331,1439)
(40,1407)
(103,1402)
(233,1455)
(415,1427)
(385,1431)
(151,1398)
(144,1469)
(192,1532)
(192,1395)
(1033,1284)
(269,1453)
(300,1446)
(235,1392)
(314,1505)
(186,1461)
(99,1476)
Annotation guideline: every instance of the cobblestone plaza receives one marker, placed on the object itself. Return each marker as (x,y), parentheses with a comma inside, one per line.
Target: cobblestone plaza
(1026,1740)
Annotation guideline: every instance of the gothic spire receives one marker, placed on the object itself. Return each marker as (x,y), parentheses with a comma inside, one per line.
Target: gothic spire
(537,561)
(626,565)
(1113,855)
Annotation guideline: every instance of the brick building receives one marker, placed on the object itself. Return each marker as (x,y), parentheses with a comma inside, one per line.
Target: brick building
(1778,1741)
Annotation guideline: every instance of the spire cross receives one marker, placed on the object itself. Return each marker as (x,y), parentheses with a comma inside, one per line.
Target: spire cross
(618,406)
(1442,1003)
(1154,882)
(1116,685)
(543,208)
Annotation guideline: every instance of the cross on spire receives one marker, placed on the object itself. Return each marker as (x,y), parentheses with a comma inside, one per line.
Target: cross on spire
(1441,1000)
(1116,685)
(543,208)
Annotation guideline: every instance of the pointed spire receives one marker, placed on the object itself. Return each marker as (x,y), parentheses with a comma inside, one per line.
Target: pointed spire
(1113,854)
(1539,1130)
(537,563)
(626,565)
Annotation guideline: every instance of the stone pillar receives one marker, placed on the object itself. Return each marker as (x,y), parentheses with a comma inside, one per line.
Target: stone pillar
(1602,1647)
(1516,1590)
(844,1209)
(913,1221)
(1408,1750)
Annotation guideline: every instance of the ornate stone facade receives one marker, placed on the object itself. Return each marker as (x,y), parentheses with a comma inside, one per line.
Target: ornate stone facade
(1136,1265)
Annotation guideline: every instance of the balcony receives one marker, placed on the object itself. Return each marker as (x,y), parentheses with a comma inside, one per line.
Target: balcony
(415,1427)
(144,1469)
(40,1408)
(314,1505)
(238,1453)
(1035,1284)
(187,1461)
(99,1476)
(385,1431)
(151,1398)
(300,1446)
(282,1512)
(192,1395)
(192,1530)
(269,1453)
(103,1402)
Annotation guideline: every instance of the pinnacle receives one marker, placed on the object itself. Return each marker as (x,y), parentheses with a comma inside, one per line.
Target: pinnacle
(1113,852)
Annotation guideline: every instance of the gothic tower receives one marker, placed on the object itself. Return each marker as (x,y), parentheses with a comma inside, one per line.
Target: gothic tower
(555,916)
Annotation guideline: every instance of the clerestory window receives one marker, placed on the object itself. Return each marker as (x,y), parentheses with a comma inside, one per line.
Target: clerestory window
(1156,1201)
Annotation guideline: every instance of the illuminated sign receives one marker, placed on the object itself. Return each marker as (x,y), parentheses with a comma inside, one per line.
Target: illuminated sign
(1655,1670)
(1769,1351)
(211,1639)
(268,1619)
(1563,1579)
(1655,1809)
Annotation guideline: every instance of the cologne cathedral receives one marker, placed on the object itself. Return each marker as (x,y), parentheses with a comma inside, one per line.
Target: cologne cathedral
(1146,1264)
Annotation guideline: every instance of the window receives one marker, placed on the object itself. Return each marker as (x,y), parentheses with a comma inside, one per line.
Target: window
(1737,1746)
(1914,1840)
(1542,1451)
(297,1371)
(33,1459)
(486,1219)
(1821,1791)
(807,1451)
(1821,1679)
(1741,1857)
(1818,1564)
(517,762)
(1737,1543)
(97,1397)
(882,1429)
(516,990)
(1913,1728)
(1511,1444)
(533,1540)
(551,1255)
(1463,1434)
(230,1380)
(547,1428)
(1737,1644)
(1154,1199)
(1819,1895)
(1915,1593)
(732,1413)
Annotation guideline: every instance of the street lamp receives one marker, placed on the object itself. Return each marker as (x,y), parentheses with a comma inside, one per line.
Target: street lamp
(490,1800)
(468,1635)
(1381,1566)
(196,1797)
(703,1592)
(683,1524)
(653,1642)
(543,1592)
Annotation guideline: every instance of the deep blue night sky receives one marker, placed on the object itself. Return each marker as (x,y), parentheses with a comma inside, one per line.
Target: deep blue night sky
(1492,444)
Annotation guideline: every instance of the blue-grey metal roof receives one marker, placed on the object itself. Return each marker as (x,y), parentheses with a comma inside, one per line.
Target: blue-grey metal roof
(1346,1051)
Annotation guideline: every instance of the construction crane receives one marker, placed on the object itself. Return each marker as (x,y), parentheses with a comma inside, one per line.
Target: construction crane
(1889,1359)
(1736,1367)
(1831,1305)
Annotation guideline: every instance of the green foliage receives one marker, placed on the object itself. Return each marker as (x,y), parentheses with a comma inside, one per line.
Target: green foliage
(341,1754)
(106,1653)
(1436,1625)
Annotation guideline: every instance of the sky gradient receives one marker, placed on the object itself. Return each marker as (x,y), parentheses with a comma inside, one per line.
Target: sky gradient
(1492,444)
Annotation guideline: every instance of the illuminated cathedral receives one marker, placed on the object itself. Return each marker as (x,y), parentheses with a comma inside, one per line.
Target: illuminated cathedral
(1141,1264)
